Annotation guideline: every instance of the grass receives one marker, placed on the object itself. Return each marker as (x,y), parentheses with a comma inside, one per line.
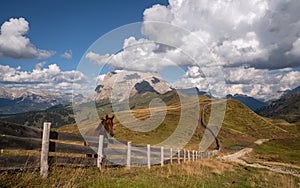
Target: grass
(280,150)
(283,152)
(142,112)
(206,173)
(290,142)
(62,116)
(241,127)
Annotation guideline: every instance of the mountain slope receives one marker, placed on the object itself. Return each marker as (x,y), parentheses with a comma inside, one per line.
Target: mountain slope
(288,92)
(62,115)
(281,94)
(251,102)
(287,108)
(241,126)
(58,117)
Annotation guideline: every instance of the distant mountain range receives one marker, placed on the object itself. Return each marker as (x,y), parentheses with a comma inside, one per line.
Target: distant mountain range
(127,84)
(119,86)
(256,104)
(287,107)
(288,92)
(238,118)
(193,91)
(143,87)
(14,101)
(281,94)
(251,102)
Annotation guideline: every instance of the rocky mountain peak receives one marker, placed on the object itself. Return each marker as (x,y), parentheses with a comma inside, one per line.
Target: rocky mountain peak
(122,84)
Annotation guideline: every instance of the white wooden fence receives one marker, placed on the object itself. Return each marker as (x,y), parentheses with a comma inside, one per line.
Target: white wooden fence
(126,154)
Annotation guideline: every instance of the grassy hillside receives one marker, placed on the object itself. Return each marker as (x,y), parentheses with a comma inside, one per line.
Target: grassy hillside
(206,173)
(287,108)
(58,117)
(241,126)
(281,151)
(64,115)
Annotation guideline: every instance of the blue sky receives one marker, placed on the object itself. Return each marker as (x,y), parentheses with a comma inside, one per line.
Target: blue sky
(244,47)
(70,25)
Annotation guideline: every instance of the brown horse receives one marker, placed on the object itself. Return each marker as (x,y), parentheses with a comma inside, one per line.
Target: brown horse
(104,127)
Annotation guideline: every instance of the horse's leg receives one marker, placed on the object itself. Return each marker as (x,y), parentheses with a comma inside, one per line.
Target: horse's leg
(87,144)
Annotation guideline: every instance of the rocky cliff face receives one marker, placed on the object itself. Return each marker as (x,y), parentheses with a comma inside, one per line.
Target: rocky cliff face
(122,84)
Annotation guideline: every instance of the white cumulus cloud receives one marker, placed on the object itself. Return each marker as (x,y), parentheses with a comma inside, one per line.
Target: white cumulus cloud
(46,78)
(139,55)
(255,43)
(257,32)
(259,83)
(14,43)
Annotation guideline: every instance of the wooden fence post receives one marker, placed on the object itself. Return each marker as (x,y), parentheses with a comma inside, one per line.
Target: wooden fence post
(184,158)
(196,155)
(189,156)
(128,154)
(171,156)
(193,152)
(100,152)
(162,156)
(178,158)
(45,150)
(148,156)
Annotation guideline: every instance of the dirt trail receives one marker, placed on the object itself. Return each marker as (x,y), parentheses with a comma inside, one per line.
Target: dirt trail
(236,157)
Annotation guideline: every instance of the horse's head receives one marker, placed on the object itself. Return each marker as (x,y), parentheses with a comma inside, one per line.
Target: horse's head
(108,124)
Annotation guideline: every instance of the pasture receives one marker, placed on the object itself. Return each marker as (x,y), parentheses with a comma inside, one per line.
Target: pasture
(237,131)
(205,173)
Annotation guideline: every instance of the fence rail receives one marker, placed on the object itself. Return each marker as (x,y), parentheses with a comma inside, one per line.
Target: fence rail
(113,153)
